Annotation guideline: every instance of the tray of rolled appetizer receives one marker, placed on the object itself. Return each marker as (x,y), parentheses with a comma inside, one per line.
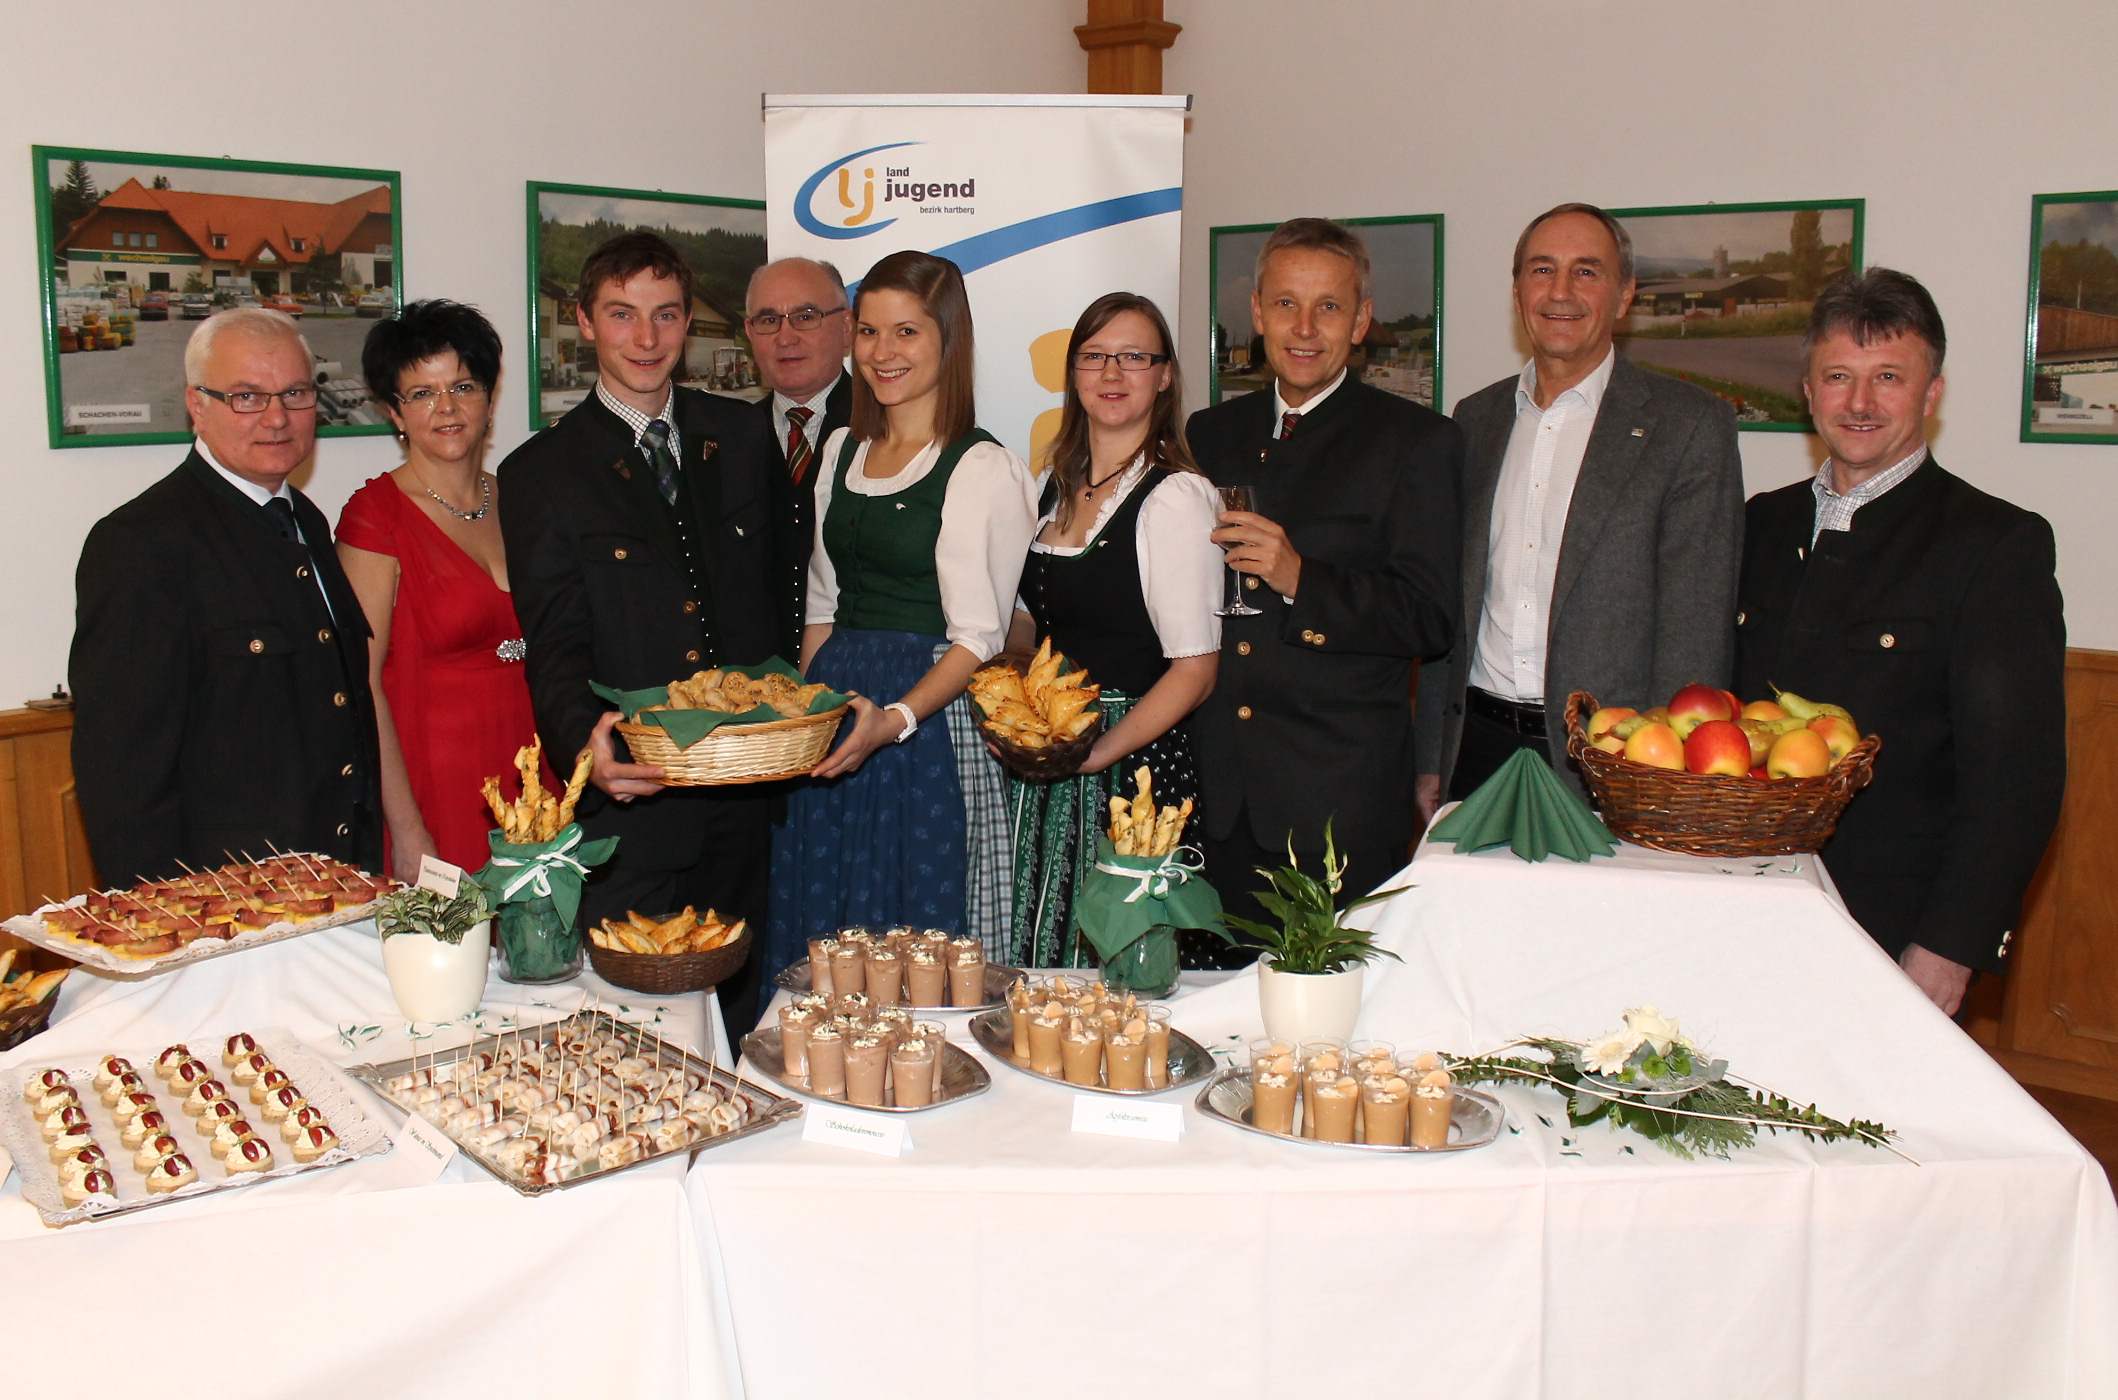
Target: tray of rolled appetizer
(575,1100)
(101,1135)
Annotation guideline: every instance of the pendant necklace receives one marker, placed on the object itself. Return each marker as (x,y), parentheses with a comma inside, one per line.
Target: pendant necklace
(485,502)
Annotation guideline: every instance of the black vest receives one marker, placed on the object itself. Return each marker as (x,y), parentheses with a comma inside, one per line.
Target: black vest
(1090,604)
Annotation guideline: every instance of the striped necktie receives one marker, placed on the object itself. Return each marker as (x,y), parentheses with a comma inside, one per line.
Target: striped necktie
(799,452)
(1288,422)
(654,440)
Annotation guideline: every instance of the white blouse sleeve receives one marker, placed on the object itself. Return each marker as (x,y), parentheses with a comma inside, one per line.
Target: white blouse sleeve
(823,578)
(1181,569)
(987,519)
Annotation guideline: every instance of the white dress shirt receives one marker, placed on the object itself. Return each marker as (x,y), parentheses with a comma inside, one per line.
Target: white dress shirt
(987,517)
(1835,512)
(1530,503)
(638,421)
(260,495)
(814,428)
(1281,408)
(1181,568)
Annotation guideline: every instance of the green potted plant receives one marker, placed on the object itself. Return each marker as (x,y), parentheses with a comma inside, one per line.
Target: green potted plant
(1311,972)
(435,949)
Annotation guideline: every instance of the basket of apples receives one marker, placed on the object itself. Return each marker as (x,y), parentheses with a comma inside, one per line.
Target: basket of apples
(1709,775)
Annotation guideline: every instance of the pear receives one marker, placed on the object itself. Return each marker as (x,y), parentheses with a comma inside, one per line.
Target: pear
(1806,710)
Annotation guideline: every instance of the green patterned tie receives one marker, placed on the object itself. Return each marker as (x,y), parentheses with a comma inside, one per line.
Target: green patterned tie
(655,439)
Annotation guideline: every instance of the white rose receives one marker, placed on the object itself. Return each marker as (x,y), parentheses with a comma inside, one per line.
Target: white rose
(1608,1055)
(1652,1026)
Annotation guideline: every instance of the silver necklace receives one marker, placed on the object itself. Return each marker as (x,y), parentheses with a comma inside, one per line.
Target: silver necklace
(485,484)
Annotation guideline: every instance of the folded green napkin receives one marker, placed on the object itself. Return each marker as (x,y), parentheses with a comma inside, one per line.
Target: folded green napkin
(1527,807)
(687,727)
(1126,896)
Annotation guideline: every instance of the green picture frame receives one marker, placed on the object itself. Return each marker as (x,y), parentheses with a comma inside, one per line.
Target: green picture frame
(131,245)
(1719,304)
(1403,352)
(2070,330)
(722,256)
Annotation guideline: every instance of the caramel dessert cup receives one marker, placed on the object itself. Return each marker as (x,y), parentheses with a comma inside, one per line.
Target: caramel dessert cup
(1157,1046)
(1274,1081)
(1081,1052)
(1022,1004)
(1047,1025)
(1385,1103)
(938,1034)
(1432,1102)
(1329,1107)
(966,968)
(1125,1052)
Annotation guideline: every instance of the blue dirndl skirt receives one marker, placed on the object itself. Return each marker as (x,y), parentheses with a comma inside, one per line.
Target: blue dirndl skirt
(885,844)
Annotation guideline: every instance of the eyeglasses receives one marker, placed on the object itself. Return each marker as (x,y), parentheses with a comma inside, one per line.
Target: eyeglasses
(804,319)
(1131,361)
(464,393)
(295,399)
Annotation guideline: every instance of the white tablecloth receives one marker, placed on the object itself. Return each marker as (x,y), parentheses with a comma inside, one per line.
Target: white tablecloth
(356,1281)
(1555,1263)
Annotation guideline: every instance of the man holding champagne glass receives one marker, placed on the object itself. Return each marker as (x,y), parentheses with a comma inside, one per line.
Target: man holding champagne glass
(1346,551)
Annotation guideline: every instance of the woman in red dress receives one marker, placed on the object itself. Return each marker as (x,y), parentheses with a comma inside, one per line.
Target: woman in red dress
(421,546)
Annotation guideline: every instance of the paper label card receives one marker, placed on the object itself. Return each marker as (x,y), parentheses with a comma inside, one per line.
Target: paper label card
(426,1146)
(1128,1118)
(884,1134)
(439,876)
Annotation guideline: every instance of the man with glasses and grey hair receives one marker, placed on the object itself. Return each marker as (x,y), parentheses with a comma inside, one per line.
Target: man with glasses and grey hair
(219,661)
(796,314)
(1602,524)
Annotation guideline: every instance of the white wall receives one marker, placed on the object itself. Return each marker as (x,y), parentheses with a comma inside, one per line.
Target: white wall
(1946,116)
(468,101)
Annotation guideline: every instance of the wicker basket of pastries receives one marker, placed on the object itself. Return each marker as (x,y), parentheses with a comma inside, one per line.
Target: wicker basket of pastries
(763,752)
(687,952)
(1042,722)
(26,999)
(1708,775)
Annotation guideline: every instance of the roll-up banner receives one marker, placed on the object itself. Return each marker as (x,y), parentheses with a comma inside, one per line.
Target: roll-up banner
(1045,202)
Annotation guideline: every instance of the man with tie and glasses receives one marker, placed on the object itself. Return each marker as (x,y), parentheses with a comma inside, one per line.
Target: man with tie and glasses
(796,314)
(1348,566)
(650,535)
(219,662)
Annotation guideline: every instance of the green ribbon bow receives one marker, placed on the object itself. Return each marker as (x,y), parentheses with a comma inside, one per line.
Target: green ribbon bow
(553,869)
(1125,897)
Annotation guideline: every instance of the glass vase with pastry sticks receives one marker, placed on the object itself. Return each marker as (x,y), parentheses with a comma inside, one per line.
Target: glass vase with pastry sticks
(1235,498)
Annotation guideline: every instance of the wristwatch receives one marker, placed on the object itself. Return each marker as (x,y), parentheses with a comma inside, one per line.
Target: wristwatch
(911,720)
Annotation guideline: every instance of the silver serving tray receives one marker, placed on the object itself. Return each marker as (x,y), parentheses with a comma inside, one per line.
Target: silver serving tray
(768,1110)
(1475,1118)
(961,1076)
(1188,1061)
(321,1082)
(998,978)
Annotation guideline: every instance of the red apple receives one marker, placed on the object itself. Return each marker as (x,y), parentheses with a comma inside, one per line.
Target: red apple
(1763,709)
(1802,754)
(1658,746)
(1759,772)
(1839,735)
(1606,717)
(1695,705)
(1735,703)
(1718,746)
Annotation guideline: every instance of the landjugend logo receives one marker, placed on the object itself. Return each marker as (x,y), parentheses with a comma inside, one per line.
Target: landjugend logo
(866,195)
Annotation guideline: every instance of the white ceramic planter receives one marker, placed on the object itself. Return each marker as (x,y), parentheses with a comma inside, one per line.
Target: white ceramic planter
(433,981)
(1300,1006)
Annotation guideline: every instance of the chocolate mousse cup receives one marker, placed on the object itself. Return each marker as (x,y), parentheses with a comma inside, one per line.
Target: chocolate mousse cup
(1044,1055)
(886,976)
(1330,1108)
(1081,1052)
(827,1061)
(938,1035)
(867,1070)
(848,968)
(926,980)
(820,951)
(794,1038)
(912,1072)
(966,966)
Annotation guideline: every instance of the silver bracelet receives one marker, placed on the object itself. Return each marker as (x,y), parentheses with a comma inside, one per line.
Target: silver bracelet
(911,720)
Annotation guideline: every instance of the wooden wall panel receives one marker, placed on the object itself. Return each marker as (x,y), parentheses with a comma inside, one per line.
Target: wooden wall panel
(43,849)
(2054,1020)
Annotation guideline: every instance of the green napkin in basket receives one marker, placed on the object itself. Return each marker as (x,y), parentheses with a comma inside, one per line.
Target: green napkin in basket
(687,727)
(1527,807)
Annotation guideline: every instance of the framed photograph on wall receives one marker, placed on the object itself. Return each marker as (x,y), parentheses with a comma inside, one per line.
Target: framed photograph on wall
(1401,353)
(2070,349)
(133,250)
(722,239)
(1723,295)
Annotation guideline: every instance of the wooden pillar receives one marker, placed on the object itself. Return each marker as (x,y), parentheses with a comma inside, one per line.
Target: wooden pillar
(1125,39)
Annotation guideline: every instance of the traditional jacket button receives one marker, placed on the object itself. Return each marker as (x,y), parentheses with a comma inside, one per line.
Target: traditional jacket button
(1741,617)
(1308,635)
(257,646)
(346,772)
(1242,712)
(691,606)
(618,553)
(301,571)
(1887,640)
(1318,639)
(344,830)
(692,655)
(338,698)
(1242,648)
(1250,581)
(323,634)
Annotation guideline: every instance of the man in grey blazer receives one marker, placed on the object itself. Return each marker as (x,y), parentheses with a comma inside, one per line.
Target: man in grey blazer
(1603,525)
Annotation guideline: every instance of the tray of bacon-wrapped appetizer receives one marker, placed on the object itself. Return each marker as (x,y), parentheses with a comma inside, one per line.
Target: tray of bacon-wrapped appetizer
(160,924)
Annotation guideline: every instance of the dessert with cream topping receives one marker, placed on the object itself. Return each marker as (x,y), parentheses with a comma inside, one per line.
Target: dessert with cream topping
(1432,1102)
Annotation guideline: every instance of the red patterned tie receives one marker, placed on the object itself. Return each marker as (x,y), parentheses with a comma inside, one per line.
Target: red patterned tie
(1288,420)
(798,450)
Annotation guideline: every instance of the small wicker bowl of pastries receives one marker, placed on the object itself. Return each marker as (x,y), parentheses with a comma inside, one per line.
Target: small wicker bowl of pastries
(1042,721)
(738,753)
(26,999)
(687,952)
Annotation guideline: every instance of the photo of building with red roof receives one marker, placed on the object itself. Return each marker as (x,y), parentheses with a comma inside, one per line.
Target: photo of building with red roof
(175,240)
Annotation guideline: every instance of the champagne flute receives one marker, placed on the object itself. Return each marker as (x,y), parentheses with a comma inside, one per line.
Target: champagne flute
(1235,498)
